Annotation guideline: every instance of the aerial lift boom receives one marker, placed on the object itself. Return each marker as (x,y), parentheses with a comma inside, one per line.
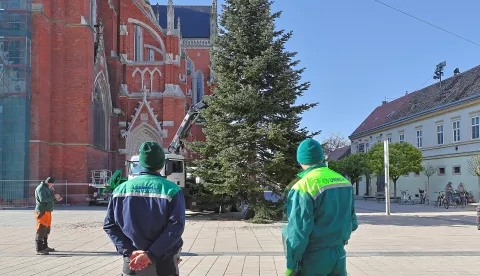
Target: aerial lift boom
(189,119)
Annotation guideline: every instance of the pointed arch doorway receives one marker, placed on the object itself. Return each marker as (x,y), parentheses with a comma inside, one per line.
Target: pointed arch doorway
(140,134)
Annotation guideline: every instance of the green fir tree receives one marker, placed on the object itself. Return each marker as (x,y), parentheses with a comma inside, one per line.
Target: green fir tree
(252,123)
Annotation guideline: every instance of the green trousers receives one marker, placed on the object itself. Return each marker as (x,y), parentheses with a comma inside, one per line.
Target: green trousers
(325,261)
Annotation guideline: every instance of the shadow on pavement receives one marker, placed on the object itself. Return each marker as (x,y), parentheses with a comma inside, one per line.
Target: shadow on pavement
(362,207)
(206,215)
(419,221)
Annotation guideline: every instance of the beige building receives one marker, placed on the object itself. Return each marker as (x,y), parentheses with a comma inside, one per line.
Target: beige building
(442,120)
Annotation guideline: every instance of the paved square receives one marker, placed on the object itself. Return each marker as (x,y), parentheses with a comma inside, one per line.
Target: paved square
(415,240)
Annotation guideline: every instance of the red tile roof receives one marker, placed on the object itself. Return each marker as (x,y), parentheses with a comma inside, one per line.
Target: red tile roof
(380,115)
(454,89)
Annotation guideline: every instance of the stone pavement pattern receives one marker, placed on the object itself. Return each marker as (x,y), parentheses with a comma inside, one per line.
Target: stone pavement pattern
(416,240)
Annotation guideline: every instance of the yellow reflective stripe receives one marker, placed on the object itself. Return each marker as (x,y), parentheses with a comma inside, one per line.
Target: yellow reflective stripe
(332,186)
(319,180)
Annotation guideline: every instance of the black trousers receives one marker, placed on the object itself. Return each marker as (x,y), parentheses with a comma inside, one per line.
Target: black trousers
(163,267)
(42,233)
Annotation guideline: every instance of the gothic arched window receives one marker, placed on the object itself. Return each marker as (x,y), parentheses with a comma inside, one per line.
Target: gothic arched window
(199,87)
(138,43)
(100,118)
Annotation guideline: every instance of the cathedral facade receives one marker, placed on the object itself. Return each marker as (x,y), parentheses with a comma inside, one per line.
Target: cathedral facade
(108,75)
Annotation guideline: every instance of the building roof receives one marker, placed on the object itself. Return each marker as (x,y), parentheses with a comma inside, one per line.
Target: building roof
(452,90)
(340,153)
(194,20)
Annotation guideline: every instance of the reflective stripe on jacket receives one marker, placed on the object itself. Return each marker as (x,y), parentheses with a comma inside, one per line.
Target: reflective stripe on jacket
(320,212)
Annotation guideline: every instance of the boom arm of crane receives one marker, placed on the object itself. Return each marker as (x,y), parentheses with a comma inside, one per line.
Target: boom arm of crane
(189,119)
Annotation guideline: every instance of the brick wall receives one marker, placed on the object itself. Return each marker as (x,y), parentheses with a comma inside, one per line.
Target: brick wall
(63,81)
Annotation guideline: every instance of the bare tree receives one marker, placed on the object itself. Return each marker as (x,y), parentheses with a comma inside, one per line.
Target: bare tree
(474,167)
(428,171)
(334,141)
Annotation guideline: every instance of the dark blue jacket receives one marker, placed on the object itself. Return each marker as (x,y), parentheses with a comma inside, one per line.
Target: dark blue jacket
(146,213)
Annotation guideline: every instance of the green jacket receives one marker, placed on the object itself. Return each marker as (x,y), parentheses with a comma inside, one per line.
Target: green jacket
(320,212)
(44,198)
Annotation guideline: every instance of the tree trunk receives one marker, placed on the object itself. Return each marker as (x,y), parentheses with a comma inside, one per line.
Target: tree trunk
(394,190)
(428,188)
(367,184)
(357,184)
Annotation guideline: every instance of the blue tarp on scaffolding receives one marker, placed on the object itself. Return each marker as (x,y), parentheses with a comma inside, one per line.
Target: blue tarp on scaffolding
(15,66)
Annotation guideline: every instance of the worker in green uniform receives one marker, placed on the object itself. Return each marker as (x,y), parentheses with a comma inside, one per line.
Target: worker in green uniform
(321,217)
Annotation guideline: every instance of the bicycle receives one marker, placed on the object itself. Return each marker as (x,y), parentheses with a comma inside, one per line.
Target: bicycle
(423,197)
(406,197)
(463,199)
(440,199)
(451,199)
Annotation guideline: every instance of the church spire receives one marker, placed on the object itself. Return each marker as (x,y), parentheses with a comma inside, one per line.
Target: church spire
(179,27)
(157,14)
(213,20)
(170,18)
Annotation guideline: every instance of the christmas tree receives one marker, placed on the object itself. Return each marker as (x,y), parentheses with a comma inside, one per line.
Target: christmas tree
(252,123)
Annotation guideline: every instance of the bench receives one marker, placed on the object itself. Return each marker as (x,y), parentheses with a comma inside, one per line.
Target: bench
(393,199)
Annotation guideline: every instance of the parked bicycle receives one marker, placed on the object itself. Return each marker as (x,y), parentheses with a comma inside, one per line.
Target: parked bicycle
(423,197)
(452,198)
(406,197)
(463,198)
(440,199)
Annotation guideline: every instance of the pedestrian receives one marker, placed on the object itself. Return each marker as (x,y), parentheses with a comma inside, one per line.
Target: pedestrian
(321,216)
(146,218)
(45,201)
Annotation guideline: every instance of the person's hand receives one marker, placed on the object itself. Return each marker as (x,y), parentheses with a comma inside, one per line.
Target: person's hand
(58,197)
(135,254)
(139,260)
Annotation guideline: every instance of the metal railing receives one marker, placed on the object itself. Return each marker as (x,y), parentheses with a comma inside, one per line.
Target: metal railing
(21,193)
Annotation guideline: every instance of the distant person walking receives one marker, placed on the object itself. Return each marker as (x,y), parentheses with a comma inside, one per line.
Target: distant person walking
(321,217)
(146,218)
(45,201)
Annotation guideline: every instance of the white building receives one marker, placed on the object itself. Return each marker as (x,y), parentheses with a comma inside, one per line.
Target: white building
(443,120)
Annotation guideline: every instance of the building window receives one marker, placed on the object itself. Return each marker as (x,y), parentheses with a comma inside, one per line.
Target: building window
(199,87)
(441,171)
(456,131)
(476,127)
(419,138)
(389,138)
(456,170)
(361,147)
(440,134)
(367,145)
(138,41)
(401,138)
(151,55)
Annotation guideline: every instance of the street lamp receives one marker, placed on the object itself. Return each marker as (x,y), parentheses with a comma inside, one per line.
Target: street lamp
(387,177)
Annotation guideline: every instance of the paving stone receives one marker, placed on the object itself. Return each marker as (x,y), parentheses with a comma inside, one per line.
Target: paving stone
(415,240)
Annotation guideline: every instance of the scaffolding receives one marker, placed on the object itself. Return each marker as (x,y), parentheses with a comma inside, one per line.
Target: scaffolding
(15,65)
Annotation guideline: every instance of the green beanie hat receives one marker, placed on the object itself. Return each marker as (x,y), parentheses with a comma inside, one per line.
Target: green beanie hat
(152,156)
(310,152)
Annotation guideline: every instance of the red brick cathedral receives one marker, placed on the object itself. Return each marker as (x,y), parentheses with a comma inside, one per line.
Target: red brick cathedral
(108,75)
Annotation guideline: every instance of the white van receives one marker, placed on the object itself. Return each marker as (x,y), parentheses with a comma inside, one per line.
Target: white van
(174,169)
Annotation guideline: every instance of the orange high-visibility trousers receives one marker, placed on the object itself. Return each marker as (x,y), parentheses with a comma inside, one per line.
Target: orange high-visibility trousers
(45,219)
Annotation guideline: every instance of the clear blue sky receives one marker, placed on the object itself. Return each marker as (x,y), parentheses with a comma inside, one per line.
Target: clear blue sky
(357,52)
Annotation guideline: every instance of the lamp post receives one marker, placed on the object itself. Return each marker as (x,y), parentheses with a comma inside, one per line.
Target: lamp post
(387,177)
